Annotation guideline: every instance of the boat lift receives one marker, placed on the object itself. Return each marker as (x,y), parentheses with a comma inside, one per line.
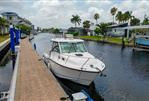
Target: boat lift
(140,42)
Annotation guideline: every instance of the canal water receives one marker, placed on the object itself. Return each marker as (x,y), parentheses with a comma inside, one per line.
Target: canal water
(126,77)
(6,71)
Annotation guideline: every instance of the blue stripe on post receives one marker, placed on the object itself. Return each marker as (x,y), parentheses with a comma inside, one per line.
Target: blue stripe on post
(17,36)
(12,43)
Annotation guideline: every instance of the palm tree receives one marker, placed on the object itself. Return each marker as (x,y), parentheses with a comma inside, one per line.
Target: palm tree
(86,25)
(127,16)
(113,12)
(75,20)
(103,29)
(145,20)
(3,23)
(119,16)
(135,21)
(96,17)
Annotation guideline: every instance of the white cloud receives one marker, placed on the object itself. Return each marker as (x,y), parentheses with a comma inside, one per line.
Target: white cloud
(103,2)
(57,13)
(53,13)
(11,3)
(89,15)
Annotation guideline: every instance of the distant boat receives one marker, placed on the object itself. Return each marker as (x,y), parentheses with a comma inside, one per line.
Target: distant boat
(69,59)
(142,41)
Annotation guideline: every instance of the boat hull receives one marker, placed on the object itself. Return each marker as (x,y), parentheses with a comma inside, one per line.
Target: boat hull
(143,42)
(77,76)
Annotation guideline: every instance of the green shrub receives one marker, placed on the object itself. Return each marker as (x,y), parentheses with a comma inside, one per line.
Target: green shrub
(74,33)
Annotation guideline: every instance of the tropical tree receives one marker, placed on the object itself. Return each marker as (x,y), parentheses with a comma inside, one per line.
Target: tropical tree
(103,29)
(75,20)
(56,30)
(24,28)
(146,20)
(119,16)
(86,25)
(96,17)
(113,12)
(3,23)
(135,21)
(127,16)
(97,30)
(124,17)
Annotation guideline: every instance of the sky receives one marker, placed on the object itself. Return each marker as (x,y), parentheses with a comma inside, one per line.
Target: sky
(57,13)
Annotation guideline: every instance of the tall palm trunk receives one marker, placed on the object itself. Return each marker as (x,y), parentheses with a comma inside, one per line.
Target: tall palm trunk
(96,22)
(1,30)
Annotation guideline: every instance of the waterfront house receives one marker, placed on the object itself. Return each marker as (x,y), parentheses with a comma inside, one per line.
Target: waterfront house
(91,30)
(117,29)
(11,17)
(14,19)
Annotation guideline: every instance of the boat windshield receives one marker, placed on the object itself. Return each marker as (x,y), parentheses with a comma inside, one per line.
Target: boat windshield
(68,47)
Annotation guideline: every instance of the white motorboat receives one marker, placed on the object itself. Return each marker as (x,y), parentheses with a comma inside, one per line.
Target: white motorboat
(69,59)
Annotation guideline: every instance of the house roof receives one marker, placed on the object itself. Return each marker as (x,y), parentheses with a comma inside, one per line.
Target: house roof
(133,27)
(9,14)
(118,25)
(136,27)
(66,40)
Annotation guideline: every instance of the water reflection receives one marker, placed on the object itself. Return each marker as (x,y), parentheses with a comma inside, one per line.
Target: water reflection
(5,72)
(72,87)
(140,65)
(5,59)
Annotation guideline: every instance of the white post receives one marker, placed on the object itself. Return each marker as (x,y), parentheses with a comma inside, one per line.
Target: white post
(88,33)
(128,29)
(127,33)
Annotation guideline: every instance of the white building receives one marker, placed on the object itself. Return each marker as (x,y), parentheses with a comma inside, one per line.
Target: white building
(11,17)
(14,19)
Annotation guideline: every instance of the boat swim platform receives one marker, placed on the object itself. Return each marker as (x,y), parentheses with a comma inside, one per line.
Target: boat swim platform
(34,82)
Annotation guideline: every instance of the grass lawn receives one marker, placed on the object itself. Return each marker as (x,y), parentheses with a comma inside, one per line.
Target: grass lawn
(116,40)
(3,37)
(96,38)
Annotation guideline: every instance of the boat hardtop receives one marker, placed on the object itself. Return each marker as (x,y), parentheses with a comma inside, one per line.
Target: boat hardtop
(66,40)
(142,36)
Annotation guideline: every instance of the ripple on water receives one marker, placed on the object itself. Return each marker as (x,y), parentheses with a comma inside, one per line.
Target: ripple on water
(118,95)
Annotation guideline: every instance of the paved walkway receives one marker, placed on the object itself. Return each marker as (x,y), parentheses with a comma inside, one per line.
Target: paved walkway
(34,82)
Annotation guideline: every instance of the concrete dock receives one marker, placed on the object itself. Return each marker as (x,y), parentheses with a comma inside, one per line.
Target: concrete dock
(34,81)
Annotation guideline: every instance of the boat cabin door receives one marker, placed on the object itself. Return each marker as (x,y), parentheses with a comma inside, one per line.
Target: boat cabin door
(55,51)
